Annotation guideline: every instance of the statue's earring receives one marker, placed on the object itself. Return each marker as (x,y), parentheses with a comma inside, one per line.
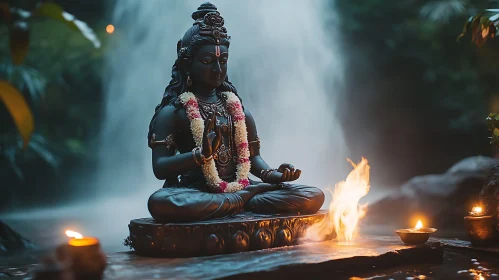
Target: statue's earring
(189,81)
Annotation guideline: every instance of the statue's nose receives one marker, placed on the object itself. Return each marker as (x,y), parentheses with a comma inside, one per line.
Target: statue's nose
(217,68)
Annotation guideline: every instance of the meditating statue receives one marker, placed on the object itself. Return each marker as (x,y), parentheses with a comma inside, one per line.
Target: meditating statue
(205,143)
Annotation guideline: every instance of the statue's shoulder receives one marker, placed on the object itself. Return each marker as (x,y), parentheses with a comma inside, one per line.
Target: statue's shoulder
(248,114)
(169,113)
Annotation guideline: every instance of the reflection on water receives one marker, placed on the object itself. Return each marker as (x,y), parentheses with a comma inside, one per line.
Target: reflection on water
(106,219)
(455,265)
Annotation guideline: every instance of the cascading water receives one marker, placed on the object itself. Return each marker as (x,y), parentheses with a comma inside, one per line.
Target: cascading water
(281,61)
(283,65)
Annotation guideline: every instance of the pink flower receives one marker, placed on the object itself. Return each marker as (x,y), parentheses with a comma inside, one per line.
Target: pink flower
(192,103)
(193,115)
(244,182)
(239,117)
(242,146)
(223,185)
(243,160)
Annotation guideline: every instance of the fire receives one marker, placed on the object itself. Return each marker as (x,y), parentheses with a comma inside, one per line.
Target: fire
(419,225)
(344,209)
(74,234)
(477,210)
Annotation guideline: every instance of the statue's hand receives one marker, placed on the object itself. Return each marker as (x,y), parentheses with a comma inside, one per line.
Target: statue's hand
(212,136)
(285,173)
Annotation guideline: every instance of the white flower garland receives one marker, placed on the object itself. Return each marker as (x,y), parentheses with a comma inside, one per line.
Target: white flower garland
(209,169)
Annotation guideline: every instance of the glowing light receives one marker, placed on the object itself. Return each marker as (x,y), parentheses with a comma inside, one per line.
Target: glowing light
(110,28)
(344,209)
(419,225)
(477,210)
(74,234)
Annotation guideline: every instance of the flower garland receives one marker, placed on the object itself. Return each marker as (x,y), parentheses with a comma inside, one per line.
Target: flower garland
(209,169)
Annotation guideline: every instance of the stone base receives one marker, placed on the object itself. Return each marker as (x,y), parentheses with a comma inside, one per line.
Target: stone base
(243,232)
(323,260)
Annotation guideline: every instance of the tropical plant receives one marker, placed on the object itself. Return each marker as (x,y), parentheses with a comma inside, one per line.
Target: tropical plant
(18,22)
(22,86)
(482,22)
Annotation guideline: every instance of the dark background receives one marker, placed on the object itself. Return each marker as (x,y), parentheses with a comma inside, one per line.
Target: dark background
(414,101)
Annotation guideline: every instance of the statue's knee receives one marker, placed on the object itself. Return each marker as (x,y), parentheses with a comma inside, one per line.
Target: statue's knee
(315,201)
(160,206)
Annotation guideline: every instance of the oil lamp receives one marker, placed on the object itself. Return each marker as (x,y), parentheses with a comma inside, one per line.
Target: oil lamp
(480,227)
(87,259)
(417,235)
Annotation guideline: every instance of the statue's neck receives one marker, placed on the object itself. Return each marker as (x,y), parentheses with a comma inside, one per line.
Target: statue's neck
(205,94)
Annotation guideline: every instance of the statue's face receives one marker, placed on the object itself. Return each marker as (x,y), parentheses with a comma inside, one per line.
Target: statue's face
(209,69)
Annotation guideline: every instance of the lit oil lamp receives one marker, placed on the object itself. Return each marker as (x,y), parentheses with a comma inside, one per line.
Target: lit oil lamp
(87,259)
(416,235)
(480,227)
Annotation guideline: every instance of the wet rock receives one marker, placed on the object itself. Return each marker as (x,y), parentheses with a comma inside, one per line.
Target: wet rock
(489,196)
(443,199)
(12,242)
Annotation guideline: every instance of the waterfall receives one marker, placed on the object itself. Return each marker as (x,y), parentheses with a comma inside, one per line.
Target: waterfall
(284,60)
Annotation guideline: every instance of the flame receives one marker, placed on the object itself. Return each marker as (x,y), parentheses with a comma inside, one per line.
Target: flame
(419,225)
(74,234)
(344,209)
(476,210)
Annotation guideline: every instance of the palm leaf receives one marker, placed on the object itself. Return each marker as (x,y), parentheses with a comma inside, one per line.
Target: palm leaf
(54,11)
(19,110)
(39,145)
(443,10)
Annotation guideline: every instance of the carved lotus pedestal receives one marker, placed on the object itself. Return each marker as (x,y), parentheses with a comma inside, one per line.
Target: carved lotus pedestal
(243,232)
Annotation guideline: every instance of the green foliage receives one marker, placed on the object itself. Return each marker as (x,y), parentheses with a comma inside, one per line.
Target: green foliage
(416,41)
(59,61)
(482,26)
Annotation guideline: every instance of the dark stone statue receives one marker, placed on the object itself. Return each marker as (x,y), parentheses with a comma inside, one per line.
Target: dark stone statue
(177,158)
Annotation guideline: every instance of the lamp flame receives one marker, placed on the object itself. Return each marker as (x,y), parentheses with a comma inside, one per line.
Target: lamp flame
(419,225)
(74,234)
(477,210)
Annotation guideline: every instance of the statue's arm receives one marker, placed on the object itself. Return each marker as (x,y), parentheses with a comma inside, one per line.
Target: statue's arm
(165,164)
(257,162)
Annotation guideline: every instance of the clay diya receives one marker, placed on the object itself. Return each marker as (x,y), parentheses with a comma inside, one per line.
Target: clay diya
(417,235)
(480,227)
(88,261)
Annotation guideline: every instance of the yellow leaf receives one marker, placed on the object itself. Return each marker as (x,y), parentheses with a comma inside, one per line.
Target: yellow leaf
(19,110)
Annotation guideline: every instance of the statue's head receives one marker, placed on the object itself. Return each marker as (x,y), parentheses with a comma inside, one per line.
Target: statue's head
(201,62)
(202,54)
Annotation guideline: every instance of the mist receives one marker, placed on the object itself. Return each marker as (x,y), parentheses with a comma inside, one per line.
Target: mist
(286,64)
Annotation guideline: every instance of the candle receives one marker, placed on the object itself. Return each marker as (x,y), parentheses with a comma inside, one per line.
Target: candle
(88,260)
(416,235)
(480,227)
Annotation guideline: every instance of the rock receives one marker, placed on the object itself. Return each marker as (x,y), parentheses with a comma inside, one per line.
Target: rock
(489,196)
(11,241)
(443,199)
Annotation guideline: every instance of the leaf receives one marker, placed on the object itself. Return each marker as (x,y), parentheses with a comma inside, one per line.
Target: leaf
(19,110)
(19,41)
(55,11)
(5,11)
(39,145)
(442,10)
